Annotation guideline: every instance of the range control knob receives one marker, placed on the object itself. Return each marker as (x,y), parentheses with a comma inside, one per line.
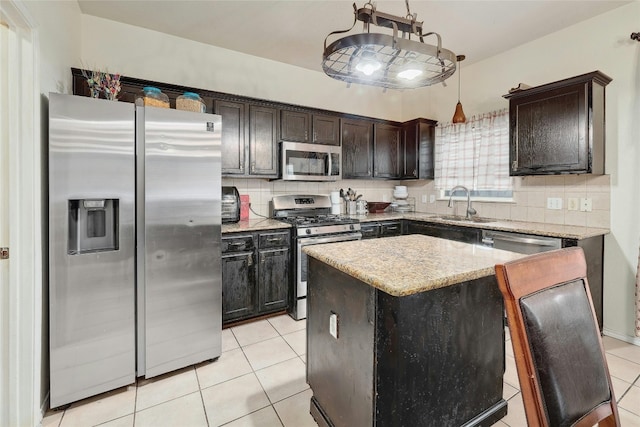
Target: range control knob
(351,227)
(308,231)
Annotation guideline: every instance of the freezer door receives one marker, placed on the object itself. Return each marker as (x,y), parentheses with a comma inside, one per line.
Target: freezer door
(91,247)
(179,311)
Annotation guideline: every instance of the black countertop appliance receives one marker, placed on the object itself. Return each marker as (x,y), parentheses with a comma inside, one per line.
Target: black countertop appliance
(230,204)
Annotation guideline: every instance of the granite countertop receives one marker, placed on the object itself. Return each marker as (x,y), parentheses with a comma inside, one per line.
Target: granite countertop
(406,265)
(538,228)
(253,225)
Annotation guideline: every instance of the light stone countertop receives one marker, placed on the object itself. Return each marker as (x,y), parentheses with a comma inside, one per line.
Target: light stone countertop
(253,225)
(537,228)
(405,265)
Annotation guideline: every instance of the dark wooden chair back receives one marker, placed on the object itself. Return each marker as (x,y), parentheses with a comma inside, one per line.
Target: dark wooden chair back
(561,363)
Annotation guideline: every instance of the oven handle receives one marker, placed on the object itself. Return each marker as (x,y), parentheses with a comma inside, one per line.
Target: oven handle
(328,239)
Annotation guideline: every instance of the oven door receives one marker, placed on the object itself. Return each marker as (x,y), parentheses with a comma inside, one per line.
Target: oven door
(310,162)
(302,264)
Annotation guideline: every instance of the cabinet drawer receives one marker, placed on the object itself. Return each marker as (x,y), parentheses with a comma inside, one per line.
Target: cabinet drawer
(390,229)
(237,244)
(273,240)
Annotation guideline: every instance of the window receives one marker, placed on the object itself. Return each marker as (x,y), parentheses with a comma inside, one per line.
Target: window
(475,154)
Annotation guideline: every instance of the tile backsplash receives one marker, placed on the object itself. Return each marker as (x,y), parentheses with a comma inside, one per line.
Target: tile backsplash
(529,197)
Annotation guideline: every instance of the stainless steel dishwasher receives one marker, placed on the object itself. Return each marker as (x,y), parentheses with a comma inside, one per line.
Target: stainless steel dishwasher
(521,243)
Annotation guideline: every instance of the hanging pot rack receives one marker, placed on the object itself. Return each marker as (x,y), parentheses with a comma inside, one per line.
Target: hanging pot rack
(393,53)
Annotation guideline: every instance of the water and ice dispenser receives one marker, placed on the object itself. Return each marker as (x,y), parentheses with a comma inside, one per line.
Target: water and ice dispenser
(93,225)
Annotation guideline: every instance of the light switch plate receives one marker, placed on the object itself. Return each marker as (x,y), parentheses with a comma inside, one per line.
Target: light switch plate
(333,325)
(432,198)
(385,198)
(424,198)
(554,202)
(572,204)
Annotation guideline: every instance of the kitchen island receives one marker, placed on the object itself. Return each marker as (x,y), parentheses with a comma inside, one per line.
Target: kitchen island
(405,331)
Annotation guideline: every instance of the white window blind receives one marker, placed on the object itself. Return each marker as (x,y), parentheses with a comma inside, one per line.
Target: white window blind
(474,154)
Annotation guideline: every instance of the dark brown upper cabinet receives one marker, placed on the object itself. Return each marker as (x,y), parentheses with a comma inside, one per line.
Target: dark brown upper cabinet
(558,128)
(234,144)
(418,150)
(249,139)
(387,149)
(357,149)
(263,141)
(301,126)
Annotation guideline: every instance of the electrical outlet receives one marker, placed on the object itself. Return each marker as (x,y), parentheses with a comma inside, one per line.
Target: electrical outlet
(432,198)
(554,203)
(586,204)
(333,325)
(572,204)
(385,198)
(424,198)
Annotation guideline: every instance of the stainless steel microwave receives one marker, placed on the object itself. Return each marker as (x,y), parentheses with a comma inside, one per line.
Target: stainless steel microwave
(310,162)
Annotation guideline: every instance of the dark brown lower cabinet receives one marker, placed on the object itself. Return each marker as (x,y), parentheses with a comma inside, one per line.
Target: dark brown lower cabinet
(434,358)
(255,274)
(239,297)
(273,279)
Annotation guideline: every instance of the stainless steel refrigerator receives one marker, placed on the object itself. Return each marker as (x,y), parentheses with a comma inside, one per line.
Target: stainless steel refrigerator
(134,243)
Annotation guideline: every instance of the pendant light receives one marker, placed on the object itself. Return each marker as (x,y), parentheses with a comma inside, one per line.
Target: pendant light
(458,116)
(389,61)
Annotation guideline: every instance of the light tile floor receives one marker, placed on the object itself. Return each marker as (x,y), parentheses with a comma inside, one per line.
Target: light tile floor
(259,381)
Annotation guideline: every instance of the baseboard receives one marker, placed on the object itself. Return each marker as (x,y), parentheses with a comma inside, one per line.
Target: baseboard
(625,338)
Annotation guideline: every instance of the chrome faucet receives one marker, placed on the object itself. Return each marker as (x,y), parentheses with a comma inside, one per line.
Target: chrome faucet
(470,210)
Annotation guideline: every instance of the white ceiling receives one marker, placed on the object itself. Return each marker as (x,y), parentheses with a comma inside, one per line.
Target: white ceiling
(294,31)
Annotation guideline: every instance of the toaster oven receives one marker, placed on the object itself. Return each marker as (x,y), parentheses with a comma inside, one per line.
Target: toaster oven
(230,205)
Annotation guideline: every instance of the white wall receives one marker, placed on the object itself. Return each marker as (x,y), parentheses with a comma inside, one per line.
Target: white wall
(601,43)
(165,58)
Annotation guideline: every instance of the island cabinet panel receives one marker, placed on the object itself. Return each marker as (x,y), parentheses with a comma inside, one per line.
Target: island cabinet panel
(434,358)
(445,231)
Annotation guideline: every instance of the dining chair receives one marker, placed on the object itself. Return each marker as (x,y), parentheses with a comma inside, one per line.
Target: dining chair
(561,363)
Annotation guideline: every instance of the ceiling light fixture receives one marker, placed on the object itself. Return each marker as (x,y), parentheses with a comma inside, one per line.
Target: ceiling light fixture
(458,115)
(389,61)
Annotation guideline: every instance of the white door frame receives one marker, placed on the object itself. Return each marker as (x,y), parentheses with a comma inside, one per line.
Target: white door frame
(21,219)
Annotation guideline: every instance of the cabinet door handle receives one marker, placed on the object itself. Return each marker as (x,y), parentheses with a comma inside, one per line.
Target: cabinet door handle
(392,228)
(274,239)
(250,260)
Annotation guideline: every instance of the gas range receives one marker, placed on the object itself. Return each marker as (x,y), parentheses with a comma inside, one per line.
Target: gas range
(313,224)
(311,216)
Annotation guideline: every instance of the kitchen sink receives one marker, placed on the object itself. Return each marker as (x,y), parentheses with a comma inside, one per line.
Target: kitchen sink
(463,219)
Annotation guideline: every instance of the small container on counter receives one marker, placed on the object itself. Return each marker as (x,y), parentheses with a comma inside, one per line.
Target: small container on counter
(151,96)
(190,101)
